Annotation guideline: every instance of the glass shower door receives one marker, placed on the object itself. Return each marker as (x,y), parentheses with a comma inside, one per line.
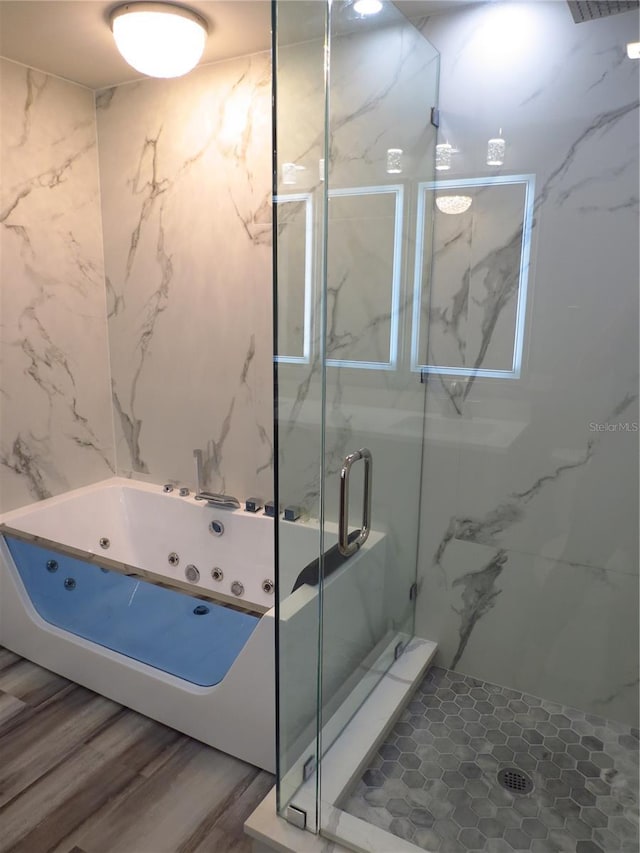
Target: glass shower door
(353,99)
(382,91)
(299,94)
(383,79)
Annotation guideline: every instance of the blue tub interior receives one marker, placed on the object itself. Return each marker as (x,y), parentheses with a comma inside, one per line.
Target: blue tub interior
(143,621)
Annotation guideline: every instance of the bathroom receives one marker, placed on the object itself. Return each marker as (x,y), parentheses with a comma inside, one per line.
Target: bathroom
(279,260)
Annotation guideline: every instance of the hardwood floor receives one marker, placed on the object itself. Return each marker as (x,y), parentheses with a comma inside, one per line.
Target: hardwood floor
(82,774)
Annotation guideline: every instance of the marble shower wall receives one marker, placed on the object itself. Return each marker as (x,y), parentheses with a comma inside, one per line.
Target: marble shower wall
(185,189)
(529,537)
(185,180)
(55,413)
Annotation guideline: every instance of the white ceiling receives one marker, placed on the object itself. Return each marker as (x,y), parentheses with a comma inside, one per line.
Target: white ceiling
(72,38)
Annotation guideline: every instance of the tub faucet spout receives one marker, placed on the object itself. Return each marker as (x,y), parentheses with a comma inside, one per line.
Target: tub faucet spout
(215,499)
(212,498)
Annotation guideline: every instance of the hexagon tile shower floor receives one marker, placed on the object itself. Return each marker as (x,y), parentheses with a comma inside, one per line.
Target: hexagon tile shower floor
(473,766)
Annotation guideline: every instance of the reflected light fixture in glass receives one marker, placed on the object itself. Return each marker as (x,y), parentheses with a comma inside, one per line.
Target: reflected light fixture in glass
(495,150)
(394,161)
(633,50)
(159,39)
(453,204)
(289,174)
(443,156)
(367,7)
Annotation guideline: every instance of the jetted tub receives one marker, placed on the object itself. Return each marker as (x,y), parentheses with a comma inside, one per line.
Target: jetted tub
(166,604)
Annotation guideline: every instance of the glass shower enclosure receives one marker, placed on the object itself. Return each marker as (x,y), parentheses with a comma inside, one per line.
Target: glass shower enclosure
(355,114)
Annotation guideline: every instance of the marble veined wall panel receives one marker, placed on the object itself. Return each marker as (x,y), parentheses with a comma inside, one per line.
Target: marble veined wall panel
(529,539)
(55,404)
(185,174)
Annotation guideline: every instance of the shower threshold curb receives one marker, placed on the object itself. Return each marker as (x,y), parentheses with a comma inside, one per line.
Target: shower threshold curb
(341,765)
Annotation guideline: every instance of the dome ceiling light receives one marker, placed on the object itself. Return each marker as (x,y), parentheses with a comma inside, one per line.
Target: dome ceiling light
(367,7)
(453,203)
(159,39)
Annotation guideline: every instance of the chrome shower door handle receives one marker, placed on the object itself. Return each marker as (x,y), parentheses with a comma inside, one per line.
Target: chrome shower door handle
(345,547)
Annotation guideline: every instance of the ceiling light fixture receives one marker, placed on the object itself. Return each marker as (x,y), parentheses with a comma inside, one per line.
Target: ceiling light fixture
(443,156)
(394,161)
(367,7)
(453,203)
(633,50)
(159,39)
(495,150)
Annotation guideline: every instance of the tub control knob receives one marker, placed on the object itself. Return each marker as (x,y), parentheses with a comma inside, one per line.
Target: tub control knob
(191,573)
(291,513)
(217,574)
(237,588)
(267,586)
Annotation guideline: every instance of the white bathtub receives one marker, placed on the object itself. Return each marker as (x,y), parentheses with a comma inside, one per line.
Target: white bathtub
(144,527)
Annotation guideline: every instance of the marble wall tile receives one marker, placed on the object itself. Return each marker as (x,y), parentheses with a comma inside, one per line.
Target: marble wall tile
(55,415)
(185,179)
(522,619)
(530,475)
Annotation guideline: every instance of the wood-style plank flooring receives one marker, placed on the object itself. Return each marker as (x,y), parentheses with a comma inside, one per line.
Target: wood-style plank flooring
(82,774)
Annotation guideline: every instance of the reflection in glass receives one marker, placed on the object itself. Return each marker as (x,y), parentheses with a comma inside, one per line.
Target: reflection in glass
(394,161)
(363,277)
(295,265)
(478,278)
(495,151)
(443,156)
(453,204)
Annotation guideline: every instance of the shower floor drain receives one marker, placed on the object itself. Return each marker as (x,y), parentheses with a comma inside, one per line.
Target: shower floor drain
(515,780)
